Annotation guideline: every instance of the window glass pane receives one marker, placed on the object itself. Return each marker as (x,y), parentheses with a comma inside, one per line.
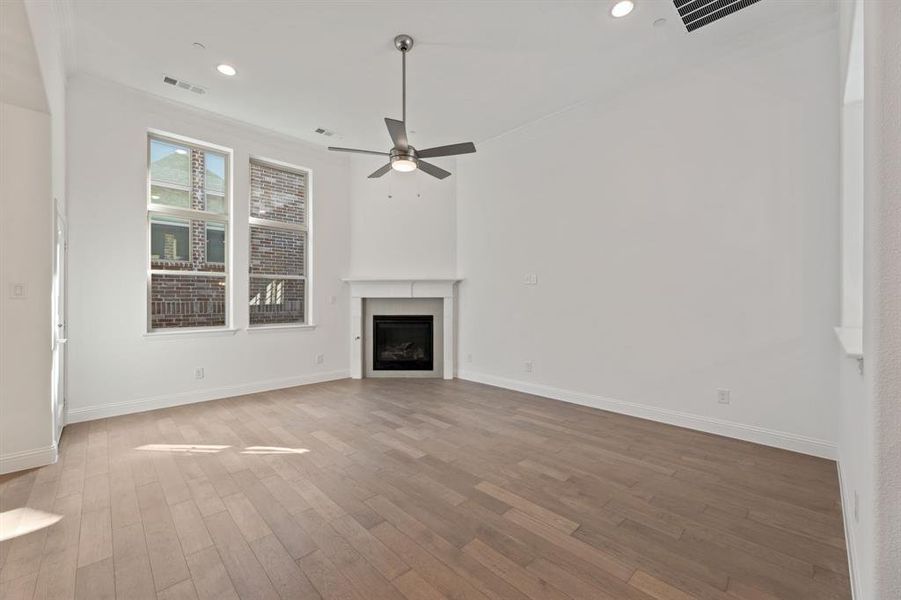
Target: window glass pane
(277,194)
(170,163)
(170,241)
(179,300)
(214,174)
(276,301)
(214,182)
(215,203)
(215,243)
(170,196)
(276,251)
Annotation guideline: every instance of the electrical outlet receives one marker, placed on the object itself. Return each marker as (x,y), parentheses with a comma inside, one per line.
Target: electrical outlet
(469,358)
(530,279)
(723,396)
(333,299)
(18,291)
(198,373)
(320,359)
(528,366)
(856,507)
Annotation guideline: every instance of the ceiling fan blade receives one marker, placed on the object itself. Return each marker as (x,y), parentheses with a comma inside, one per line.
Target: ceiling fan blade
(432,169)
(358,151)
(451,150)
(380,171)
(398,132)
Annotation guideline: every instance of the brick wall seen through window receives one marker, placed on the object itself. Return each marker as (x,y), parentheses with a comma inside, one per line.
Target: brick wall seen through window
(279,242)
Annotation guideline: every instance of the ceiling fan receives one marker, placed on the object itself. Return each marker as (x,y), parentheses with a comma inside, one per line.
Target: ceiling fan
(402,156)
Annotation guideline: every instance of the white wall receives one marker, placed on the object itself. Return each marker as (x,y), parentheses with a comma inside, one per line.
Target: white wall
(855,431)
(114,367)
(26,437)
(685,238)
(26,431)
(402,224)
(882,297)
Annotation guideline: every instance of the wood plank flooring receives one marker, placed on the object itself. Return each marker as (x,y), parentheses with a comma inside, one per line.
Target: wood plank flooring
(420,489)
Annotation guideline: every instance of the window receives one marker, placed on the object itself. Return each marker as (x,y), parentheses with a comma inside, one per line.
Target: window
(187,212)
(279,242)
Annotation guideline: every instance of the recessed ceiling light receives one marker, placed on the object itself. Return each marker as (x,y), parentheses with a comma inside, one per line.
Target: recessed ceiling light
(230,70)
(622,8)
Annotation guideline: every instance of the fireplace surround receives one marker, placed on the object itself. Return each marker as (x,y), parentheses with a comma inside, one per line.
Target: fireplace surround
(412,297)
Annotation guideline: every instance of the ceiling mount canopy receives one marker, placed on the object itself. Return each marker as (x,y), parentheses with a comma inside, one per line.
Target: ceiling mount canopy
(402,156)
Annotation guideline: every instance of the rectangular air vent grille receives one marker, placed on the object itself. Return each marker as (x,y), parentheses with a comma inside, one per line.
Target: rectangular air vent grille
(697,13)
(185,85)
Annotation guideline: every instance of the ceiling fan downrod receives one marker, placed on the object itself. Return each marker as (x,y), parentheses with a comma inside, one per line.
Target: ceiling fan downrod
(404,43)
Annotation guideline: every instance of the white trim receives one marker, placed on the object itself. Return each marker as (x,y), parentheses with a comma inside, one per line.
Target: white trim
(260,222)
(851,339)
(850,546)
(187,272)
(280,327)
(741,431)
(274,276)
(187,332)
(102,411)
(28,459)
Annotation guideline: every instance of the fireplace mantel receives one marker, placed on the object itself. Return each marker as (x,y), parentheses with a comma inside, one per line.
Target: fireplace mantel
(370,287)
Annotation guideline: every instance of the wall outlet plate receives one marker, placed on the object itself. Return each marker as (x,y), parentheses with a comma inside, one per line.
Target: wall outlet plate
(320,359)
(723,396)
(528,366)
(198,373)
(18,291)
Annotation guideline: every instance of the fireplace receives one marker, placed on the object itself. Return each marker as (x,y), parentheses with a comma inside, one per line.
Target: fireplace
(402,342)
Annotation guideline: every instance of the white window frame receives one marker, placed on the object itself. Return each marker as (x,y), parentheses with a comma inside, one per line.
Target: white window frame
(153,208)
(306,228)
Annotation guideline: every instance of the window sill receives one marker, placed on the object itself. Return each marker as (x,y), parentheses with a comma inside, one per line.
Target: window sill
(189,333)
(851,339)
(270,328)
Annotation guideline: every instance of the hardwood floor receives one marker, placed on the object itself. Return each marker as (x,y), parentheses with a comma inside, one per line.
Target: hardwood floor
(420,489)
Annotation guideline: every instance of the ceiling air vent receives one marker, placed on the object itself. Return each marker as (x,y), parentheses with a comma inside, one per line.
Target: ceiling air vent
(697,13)
(181,83)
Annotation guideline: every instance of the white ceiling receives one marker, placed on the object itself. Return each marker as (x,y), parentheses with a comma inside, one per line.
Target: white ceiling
(479,68)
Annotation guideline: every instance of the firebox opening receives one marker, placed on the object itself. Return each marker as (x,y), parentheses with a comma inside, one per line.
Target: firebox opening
(402,342)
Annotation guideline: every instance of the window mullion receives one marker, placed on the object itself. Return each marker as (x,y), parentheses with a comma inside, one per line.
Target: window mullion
(186,213)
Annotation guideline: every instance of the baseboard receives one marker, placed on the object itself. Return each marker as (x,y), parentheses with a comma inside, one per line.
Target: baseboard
(102,411)
(847,514)
(748,433)
(28,459)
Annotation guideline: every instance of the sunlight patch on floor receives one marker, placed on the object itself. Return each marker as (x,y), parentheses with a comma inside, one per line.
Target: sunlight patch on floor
(213,449)
(183,448)
(273,450)
(22,521)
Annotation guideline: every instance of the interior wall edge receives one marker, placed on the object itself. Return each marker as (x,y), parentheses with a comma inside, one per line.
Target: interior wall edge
(739,431)
(847,499)
(28,459)
(102,411)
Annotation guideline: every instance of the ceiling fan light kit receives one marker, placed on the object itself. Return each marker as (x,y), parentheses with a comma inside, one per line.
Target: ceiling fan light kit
(403,157)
